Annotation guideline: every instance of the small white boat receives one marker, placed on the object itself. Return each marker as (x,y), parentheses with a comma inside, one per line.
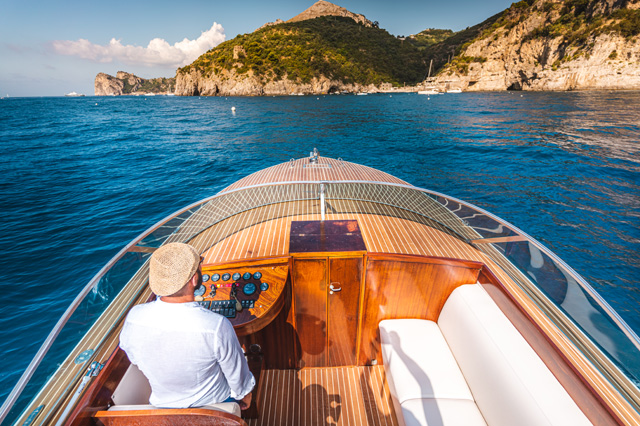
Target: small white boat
(428,92)
(457,90)
(74,94)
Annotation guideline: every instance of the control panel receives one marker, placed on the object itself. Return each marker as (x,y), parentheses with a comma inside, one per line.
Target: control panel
(245,289)
(244,294)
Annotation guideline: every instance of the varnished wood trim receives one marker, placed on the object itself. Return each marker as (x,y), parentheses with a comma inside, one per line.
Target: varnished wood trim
(296,171)
(98,395)
(327,254)
(143,249)
(247,263)
(399,257)
(401,286)
(168,417)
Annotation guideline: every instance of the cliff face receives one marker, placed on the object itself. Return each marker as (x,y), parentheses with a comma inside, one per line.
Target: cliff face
(107,85)
(229,83)
(561,45)
(125,83)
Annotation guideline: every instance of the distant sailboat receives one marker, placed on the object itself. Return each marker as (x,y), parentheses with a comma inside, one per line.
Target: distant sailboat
(430,89)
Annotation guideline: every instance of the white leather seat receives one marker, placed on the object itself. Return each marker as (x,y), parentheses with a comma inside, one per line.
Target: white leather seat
(419,362)
(510,383)
(425,382)
(471,368)
(441,412)
(133,393)
(227,407)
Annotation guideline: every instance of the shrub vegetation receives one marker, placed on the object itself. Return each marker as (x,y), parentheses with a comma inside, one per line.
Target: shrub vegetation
(336,47)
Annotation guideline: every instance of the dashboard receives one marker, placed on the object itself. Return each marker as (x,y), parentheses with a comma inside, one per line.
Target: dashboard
(249,295)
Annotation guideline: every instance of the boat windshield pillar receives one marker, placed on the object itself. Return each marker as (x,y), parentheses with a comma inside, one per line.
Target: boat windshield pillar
(322,202)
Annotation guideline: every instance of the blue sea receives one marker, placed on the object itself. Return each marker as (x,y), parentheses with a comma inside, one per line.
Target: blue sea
(82,177)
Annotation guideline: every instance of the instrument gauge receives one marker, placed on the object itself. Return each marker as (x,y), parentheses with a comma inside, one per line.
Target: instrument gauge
(246,276)
(257,275)
(225,277)
(199,291)
(215,277)
(236,276)
(205,278)
(249,289)
(264,287)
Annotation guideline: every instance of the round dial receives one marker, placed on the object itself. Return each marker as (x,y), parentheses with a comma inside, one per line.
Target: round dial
(249,289)
(215,277)
(246,276)
(264,287)
(225,277)
(236,276)
(257,275)
(199,291)
(205,278)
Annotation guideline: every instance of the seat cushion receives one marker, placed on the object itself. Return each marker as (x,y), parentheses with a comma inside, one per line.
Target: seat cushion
(227,407)
(510,383)
(418,362)
(439,412)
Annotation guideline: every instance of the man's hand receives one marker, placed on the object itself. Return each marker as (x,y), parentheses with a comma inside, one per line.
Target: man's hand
(245,402)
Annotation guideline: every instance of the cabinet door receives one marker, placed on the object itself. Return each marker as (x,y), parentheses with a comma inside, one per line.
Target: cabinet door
(342,313)
(310,293)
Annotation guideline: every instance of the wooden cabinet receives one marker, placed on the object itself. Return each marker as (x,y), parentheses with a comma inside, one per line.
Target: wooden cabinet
(326,294)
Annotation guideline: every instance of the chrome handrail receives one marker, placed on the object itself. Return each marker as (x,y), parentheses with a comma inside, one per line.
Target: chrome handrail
(28,373)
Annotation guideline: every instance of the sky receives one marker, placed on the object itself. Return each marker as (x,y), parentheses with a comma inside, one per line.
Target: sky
(53,47)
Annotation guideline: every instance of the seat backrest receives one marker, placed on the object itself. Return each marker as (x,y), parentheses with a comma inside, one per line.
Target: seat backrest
(509,382)
(168,417)
(134,390)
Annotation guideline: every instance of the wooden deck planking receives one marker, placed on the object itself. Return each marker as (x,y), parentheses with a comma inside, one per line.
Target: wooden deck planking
(343,396)
(381,234)
(339,171)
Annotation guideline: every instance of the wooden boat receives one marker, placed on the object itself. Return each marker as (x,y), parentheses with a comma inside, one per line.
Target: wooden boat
(365,301)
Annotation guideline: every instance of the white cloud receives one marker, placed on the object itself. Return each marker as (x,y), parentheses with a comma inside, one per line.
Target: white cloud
(158,52)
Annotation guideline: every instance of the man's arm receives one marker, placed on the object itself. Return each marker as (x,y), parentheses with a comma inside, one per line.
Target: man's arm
(234,365)
(245,402)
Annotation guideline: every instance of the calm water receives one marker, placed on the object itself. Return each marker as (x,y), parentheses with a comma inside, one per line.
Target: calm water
(81,177)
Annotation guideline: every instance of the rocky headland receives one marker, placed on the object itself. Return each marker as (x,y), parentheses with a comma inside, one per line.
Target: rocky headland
(125,83)
(552,45)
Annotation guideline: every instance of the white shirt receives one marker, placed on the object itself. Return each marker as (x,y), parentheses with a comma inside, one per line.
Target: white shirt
(190,355)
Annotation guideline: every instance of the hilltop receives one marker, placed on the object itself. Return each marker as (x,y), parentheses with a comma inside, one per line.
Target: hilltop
(324,49)
(546,45)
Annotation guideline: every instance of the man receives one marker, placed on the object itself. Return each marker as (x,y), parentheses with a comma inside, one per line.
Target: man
(190,355)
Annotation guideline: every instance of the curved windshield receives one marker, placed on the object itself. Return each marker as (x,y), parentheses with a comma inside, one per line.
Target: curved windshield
(565,297)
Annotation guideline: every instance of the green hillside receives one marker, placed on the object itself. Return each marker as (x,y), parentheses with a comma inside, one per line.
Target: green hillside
(336,47)
(429,37)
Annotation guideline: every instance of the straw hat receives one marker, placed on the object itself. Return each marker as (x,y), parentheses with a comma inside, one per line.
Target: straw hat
(171,266)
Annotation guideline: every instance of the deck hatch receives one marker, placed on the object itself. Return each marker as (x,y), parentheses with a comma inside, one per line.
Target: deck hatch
(311,236)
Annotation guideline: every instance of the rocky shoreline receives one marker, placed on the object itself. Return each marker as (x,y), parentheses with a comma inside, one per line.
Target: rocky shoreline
(528,47)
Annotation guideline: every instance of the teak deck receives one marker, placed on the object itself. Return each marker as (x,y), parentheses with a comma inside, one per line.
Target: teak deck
(349,396)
